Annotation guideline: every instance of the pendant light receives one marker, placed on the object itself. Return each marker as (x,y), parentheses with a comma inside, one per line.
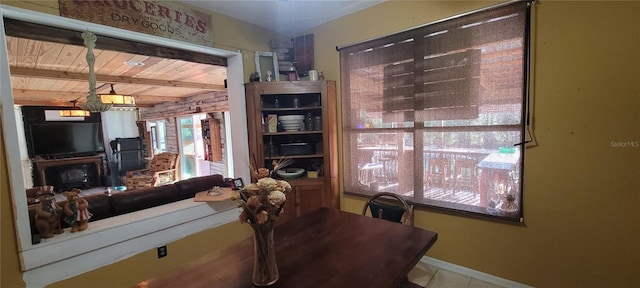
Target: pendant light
(117,100)
(93,104)
(74,112)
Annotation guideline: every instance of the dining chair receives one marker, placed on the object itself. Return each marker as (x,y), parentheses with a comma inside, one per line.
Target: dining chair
(465,175)
(437,172)
(389,206)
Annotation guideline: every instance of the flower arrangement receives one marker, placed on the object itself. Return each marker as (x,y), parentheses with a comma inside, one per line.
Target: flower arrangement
(261,204)
(263,201)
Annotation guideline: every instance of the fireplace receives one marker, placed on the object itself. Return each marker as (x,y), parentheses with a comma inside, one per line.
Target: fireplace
(64,178)
(78,176)
(66,173)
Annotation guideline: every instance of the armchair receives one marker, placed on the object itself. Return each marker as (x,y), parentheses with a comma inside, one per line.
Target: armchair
(162,170)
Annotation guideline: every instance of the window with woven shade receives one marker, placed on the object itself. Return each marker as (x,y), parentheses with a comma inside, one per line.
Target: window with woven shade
(437,113)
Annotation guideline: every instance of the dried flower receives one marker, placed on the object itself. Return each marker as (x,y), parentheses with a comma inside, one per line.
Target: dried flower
(262,217)
(260,173)
(277,198)
(264,200)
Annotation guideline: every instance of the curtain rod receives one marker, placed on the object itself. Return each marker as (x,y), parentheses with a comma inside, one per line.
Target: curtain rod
(338,48)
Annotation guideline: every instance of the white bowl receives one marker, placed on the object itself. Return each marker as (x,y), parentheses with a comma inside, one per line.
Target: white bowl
(290,121)
(291,117)
(289,173)
(291,128)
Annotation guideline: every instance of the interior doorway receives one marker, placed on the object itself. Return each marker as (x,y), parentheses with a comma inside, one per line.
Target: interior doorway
(191,145)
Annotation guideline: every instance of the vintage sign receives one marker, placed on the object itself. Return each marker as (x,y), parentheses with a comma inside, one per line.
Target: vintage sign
(170,19)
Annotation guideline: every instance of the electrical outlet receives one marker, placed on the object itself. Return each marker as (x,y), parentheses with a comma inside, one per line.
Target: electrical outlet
(162,251)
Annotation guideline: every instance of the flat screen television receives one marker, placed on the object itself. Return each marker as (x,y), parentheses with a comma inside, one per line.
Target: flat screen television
(52,140)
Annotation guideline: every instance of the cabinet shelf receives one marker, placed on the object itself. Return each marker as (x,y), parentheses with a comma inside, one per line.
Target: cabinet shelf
(292,133)
(305,180)
(291,109)
(294,156)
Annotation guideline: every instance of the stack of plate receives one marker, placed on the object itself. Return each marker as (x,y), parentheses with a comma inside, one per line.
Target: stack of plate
(291,122)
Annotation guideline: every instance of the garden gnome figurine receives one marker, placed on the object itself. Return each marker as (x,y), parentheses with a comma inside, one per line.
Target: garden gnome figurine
(47,219)
(76,210)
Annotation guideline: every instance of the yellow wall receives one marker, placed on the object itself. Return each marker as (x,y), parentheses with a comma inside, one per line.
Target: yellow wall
(10,275)
(146,265)
(581,195)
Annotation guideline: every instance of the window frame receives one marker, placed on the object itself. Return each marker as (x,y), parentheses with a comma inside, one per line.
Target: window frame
(417,198)
(157,131)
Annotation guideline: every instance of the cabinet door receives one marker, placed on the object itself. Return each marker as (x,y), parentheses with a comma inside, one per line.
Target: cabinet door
(309,197)
(289,211)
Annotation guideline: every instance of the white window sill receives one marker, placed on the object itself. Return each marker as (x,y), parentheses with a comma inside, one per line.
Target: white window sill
(113,239)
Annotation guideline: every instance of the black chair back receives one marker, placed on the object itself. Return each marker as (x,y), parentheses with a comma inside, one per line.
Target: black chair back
(389,206)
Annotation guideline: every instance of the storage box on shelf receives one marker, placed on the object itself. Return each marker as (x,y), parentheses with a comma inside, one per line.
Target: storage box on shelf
(297,120)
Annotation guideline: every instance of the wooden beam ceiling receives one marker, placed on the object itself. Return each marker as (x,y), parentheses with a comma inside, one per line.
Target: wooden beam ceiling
(55,74)
(33,94)
(47,68)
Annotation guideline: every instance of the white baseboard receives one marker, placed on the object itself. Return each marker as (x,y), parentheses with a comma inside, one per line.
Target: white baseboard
(473,273)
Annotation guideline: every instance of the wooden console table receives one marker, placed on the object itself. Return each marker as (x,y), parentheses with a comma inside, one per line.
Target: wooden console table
(42,165)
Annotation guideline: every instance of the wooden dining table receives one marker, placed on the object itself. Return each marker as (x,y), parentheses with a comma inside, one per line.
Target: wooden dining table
(323,248)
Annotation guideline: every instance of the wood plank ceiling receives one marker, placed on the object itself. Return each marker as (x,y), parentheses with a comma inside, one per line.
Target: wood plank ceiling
(54,74)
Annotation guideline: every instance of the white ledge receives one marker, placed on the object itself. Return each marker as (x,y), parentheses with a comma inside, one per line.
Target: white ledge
(113,239)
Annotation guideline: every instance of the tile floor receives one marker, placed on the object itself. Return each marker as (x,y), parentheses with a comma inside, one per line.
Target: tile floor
(429,276)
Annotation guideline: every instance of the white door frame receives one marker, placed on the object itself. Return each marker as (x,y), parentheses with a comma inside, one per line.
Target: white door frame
(195,120)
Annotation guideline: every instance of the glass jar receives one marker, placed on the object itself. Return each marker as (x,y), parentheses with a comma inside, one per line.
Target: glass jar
(296,102)
(309,124)
(293,75)
(317,123)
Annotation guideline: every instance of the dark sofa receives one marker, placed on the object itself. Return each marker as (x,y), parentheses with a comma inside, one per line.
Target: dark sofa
(104,206)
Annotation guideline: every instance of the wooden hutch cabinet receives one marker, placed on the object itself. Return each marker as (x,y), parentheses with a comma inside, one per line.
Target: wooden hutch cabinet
(313,147)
